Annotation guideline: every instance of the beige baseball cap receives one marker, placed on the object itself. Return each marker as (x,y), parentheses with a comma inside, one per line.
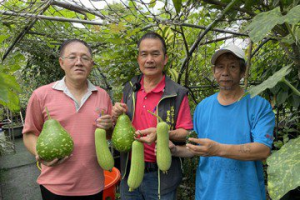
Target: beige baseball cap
(228,49)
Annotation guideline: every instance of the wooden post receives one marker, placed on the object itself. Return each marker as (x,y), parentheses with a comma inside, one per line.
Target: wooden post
(248,65)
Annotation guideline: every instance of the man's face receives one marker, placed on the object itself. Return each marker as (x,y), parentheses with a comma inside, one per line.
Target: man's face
(151,58)
(76,61)
(227,72)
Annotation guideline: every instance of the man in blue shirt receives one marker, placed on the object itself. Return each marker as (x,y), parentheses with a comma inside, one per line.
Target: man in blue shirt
(235,134)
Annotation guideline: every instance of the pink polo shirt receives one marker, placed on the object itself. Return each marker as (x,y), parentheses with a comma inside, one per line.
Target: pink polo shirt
(81,174)
(143,119)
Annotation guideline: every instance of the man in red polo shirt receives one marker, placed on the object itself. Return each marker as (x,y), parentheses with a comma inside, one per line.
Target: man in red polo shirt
(72,101)
(157,93)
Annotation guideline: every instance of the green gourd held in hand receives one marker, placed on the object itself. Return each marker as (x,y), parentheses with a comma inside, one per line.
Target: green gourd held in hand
(104,156)
(137,167)
(54,141)
(123,134)
(163,152)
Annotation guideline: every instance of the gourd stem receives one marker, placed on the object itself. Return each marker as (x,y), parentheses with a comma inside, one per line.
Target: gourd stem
(159,118)
(48,114)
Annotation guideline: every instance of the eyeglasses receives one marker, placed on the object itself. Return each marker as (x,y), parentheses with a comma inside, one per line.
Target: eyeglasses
(231,68)
(73,59)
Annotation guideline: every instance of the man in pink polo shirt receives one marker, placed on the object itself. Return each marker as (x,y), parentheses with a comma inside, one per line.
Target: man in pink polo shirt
(157,93)
(73,101)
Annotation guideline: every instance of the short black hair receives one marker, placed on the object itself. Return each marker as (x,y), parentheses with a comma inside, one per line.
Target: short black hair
(153,35)
(69,41)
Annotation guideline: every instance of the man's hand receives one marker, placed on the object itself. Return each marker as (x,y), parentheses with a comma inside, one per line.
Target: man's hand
(147,135)
(118,109)
(172,148)
(105,122)
(205,148)
(51,163)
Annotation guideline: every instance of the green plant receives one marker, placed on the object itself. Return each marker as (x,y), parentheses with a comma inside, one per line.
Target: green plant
(288,128)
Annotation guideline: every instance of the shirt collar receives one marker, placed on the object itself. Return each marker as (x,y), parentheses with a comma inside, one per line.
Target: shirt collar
(159,88)
(61,85)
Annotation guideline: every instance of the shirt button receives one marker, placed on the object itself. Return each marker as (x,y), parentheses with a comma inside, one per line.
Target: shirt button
(144,106)
(145,97)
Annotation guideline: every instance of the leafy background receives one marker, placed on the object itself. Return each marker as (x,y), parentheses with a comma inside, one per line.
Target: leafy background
(31,32)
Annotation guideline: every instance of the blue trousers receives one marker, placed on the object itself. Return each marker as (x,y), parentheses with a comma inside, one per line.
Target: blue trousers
(148,189)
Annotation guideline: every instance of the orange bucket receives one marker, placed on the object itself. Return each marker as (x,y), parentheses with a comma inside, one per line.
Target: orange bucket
(111,180)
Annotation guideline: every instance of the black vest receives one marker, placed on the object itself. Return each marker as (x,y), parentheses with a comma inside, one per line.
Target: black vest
(168,108)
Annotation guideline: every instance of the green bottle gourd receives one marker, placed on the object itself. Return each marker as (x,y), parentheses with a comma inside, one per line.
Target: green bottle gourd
(54,141)
(163,152)
(123,134)
(137,167)
(104,157)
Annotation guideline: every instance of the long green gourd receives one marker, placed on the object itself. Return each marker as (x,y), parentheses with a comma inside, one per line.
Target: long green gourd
(163,152)
(137,166)
(104,156)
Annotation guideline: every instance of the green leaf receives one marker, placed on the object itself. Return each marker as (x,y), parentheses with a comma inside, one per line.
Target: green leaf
(3,37)
(278,144)
(269,20)
(283,169)
(288,39)
(270,82)
(13,104)
(295,101)
(177,4)
(293,16)
(117,28)
(8,89)
(263,23)
(282,96)
(152,3)
(9,82)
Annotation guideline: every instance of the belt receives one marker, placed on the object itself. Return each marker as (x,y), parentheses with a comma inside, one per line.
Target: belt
(150,167)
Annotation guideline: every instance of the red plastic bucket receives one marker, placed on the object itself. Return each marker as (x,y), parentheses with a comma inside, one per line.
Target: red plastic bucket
(111,180)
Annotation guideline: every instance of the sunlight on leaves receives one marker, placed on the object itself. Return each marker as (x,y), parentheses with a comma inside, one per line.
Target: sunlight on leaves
(283,169)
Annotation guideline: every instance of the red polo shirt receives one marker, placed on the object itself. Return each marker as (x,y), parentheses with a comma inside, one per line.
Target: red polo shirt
(143,119)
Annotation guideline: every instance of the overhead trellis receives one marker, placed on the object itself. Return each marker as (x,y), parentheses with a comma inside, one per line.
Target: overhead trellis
(106,24)
(50,22)
(53,21)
